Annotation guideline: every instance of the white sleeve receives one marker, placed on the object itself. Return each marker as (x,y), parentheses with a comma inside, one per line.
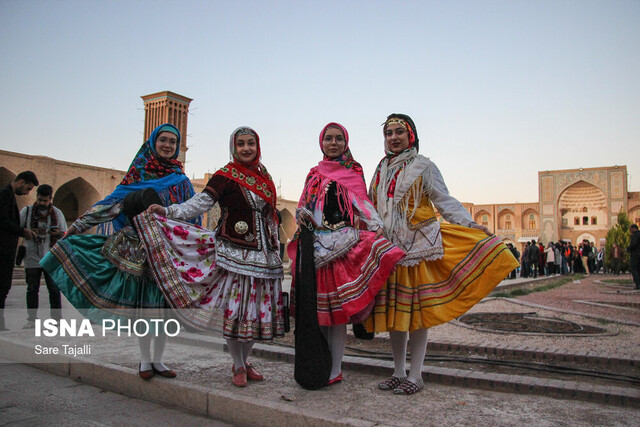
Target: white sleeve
(23,217)
(195,206)
(368,214)
(448,206)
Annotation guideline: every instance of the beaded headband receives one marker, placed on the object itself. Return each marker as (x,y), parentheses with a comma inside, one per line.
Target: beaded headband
(245,131)
(396,121)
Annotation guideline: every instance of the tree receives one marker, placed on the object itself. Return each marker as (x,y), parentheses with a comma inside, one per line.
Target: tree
(618,234)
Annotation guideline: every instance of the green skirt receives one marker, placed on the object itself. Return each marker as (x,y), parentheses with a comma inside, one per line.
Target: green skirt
(95,286)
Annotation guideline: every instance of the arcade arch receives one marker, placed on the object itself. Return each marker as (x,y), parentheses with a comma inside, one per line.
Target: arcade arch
(582,206)
(530,220)
(483,218)
(74,198)
(506,220)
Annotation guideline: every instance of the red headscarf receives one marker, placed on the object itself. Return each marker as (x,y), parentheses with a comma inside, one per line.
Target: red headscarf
(252,176)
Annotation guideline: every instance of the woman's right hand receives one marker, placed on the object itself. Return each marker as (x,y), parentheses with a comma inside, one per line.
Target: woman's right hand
(71,231)
(161,210)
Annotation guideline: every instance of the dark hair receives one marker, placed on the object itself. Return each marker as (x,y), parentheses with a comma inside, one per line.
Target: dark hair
(45,190)
(634,226)
(28,177)
(410,121)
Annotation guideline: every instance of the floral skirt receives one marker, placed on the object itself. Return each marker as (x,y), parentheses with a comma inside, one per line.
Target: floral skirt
(435,292)
(347,286)
(206,296)
(95,286)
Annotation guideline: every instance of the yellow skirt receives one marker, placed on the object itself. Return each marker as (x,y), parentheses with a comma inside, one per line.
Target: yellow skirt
(434,292)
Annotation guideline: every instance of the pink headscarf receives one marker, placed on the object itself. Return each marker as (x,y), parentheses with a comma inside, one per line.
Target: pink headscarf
(344,170)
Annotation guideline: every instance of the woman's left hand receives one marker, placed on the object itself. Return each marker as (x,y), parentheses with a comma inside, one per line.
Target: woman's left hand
(481,227)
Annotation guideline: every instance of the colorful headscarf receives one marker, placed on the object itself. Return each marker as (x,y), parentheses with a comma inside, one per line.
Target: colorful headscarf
(150,170)
(148,164)
(253,176)
(344,170)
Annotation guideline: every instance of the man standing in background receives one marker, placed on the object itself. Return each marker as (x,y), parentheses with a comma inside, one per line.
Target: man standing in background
(49,225)
(11,230)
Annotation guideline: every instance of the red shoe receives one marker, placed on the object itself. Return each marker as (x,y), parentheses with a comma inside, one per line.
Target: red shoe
(169,373)
(239,377)
(252,373)
(145,375)
(335,380)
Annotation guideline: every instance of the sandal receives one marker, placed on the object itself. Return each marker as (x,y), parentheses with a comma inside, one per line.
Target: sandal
(409,387)
(391,383)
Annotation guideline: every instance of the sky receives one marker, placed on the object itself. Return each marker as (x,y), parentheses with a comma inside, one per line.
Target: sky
(499,90)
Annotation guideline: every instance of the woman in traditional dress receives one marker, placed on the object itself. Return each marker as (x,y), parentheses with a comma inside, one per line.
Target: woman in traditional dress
(448,267)
(351,258)
(235,270)
(106,276)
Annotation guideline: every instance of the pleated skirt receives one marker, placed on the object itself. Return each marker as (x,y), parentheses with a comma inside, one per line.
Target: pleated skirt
(434,292)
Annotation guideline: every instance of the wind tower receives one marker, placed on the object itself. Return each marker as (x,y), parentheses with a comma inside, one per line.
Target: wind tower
(167,107)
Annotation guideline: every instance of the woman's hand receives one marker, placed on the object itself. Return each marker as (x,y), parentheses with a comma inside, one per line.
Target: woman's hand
(71,231)
(157,209)
(481,227)
(379,233)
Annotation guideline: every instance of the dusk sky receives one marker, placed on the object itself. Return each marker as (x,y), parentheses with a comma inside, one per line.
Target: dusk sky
(499,90)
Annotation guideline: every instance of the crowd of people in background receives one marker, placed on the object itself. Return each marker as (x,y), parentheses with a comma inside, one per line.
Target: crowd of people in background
(562,258)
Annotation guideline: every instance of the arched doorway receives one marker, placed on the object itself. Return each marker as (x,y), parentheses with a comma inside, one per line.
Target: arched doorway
(74,198)
(582,208)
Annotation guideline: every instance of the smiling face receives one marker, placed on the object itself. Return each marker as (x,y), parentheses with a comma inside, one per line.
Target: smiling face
(333,143)
(166,145)
(246,148)
(396,138)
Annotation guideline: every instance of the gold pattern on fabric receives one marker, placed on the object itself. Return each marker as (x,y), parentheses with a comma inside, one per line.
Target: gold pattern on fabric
(127,252)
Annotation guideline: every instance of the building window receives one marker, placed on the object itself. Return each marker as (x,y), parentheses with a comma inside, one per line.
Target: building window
(585,220)
(485,220)
(507,225)
(576,221)
(565,222)
(594,220)
(532,222)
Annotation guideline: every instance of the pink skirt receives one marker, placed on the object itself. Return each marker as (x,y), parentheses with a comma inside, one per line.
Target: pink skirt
(347,286)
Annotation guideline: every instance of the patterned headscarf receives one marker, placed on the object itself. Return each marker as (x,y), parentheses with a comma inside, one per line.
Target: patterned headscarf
(150,170)
(148,164)
(344,170)
(345,159)
(253,176)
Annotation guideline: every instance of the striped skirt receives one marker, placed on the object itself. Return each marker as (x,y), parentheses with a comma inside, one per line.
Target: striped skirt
(434,292)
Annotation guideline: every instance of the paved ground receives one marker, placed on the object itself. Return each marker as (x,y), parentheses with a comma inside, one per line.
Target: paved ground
(33,397)
(203,387)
